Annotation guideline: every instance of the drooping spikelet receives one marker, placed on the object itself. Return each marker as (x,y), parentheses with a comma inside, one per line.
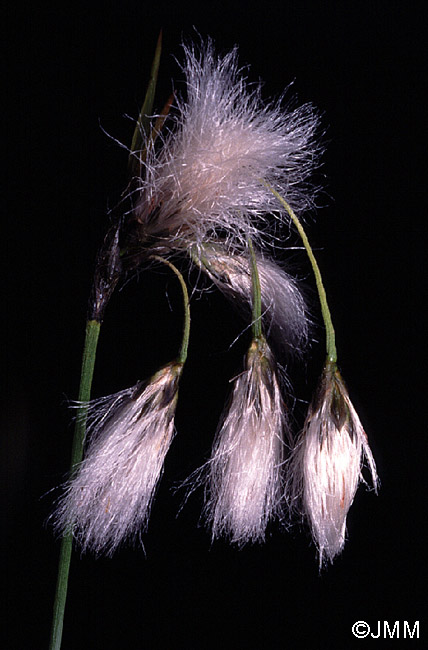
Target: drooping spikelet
(207,178)
(108,500)
(328,459)
(244,486)
(284,311)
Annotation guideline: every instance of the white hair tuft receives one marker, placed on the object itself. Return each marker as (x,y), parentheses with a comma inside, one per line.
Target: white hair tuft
(108,500)
(244,475)
(223,142)
(325,469)
(284,314)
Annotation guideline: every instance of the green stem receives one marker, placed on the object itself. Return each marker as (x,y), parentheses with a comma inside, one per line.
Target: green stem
(182,356)
(256,325)
(142,127)
(330,335)
(88,363)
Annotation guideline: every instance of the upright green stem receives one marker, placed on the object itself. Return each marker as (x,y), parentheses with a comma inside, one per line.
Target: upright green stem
(142,127)
(256,325)
(88,363)
(329,329)
(182,356)
(87,373)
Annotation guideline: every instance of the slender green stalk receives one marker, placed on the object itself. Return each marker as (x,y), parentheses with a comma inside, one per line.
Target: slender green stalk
(142,127)
(182,356)
(256,325)
(329,329)
(88,363)
(107,274)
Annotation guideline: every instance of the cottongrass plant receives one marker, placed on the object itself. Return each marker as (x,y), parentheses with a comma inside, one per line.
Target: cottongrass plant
(208,175)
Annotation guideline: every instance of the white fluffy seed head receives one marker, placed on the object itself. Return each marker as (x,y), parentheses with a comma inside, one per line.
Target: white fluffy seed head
(244,485)
(205,180)
(284,312)
(108,500)
(327,463)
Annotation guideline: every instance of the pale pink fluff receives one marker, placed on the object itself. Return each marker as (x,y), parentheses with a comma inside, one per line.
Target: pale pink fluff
(284,313)
(327,463)
(207,177)
(244,475)
(108,501)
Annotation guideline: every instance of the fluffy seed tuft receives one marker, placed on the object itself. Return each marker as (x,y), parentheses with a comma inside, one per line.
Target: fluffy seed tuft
(205,181)
(327,462)
(244,485)
(284,314)
(109,499)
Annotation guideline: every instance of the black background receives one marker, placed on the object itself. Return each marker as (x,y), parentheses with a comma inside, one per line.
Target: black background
(75,69)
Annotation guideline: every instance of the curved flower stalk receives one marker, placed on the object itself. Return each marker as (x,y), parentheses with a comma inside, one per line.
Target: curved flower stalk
(204,181)
(327,463)
(244,488)
(109,499)
(326,468)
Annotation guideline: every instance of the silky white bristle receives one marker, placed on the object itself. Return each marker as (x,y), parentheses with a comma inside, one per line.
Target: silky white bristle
(207,178)
(327,465)
(284,311)
(109,499)
(244,484)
